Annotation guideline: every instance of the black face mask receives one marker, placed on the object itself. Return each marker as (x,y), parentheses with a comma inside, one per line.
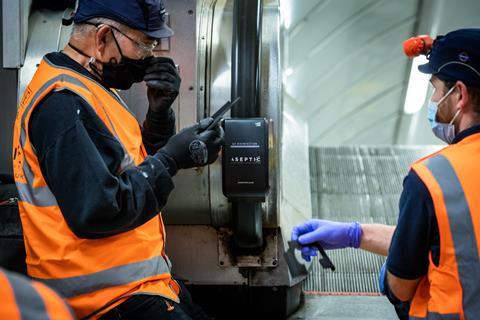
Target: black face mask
(119,75)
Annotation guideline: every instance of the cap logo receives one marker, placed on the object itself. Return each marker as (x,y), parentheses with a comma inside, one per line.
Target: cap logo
(464,57)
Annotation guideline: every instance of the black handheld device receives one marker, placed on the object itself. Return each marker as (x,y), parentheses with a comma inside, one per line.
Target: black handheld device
(219,114)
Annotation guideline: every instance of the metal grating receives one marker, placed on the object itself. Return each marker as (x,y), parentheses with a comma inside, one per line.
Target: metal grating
(356,184)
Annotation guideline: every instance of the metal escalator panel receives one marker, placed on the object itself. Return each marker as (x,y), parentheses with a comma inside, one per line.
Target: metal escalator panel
(356,184)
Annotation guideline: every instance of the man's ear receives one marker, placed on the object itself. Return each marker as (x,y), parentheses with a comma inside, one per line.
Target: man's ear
(101,37)
(463,97)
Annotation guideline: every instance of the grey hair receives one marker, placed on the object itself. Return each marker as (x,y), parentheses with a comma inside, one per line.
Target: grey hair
(81,31)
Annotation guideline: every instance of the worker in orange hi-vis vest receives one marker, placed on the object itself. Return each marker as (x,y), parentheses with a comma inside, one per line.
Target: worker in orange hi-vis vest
(432,269)
(23,299)
(91,180)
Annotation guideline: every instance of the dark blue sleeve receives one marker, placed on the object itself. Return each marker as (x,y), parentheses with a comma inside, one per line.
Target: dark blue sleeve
(80,160)
(413,237)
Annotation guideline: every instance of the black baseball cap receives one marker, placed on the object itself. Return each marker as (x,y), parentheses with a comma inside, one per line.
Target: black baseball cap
(147,16)
(455,56)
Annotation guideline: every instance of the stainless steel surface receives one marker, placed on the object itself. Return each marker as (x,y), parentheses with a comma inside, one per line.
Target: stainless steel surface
(194,255)
(289,199)
(271,108)
(356,184)
(218,38)
(215,39)
(183,50)
(318,307)
(14,31)
(46,34)
(207,205)
(189,203)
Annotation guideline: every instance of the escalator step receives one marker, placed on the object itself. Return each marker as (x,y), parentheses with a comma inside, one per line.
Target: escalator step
(356,184)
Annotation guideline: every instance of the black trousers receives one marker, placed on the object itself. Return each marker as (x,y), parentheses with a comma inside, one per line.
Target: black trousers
(151,307)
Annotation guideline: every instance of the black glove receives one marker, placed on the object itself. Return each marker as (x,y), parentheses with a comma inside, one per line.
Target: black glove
(194,146)
(163,83)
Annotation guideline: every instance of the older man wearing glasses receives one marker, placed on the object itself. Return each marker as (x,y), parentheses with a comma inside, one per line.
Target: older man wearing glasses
(91,180)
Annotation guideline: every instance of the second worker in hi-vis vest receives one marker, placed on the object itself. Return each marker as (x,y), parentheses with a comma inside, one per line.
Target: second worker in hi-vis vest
(432,270)
(91,180)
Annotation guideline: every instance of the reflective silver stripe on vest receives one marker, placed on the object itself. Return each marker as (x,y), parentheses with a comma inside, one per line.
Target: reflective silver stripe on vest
(463,234)
(127,161)
(438,316)
(59,78)
(40,196)
(169,263)
(75,286)
(29,302)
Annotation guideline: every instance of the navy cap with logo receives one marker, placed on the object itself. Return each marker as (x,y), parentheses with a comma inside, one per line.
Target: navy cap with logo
(147,16)
(455,56)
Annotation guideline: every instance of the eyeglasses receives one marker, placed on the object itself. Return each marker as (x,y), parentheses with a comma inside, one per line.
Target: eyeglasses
(145,49)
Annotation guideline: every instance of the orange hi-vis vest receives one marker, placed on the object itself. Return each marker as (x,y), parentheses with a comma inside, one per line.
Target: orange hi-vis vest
(452,177)
(22,299)
(93,274)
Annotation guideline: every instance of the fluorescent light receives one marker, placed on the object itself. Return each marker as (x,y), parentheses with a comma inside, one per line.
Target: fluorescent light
(417,87)
(286,13)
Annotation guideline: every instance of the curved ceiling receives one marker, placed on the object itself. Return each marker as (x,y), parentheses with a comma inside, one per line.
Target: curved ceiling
(344,69)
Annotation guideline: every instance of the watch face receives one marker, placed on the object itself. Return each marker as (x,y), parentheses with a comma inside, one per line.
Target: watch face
(198,152)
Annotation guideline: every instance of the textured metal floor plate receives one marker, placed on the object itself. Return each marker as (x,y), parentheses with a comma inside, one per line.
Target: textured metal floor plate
(356,184)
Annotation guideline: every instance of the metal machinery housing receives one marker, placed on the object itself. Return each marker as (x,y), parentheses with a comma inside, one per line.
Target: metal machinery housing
(200,220)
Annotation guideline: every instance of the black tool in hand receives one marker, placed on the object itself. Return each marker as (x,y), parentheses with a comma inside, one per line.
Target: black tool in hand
(217,116)
(325,261)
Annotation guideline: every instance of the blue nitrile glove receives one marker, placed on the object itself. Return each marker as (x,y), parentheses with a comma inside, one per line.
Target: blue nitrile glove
(381,277)
(329,234)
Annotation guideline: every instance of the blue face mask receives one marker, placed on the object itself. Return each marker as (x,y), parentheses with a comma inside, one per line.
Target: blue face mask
(443,131)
